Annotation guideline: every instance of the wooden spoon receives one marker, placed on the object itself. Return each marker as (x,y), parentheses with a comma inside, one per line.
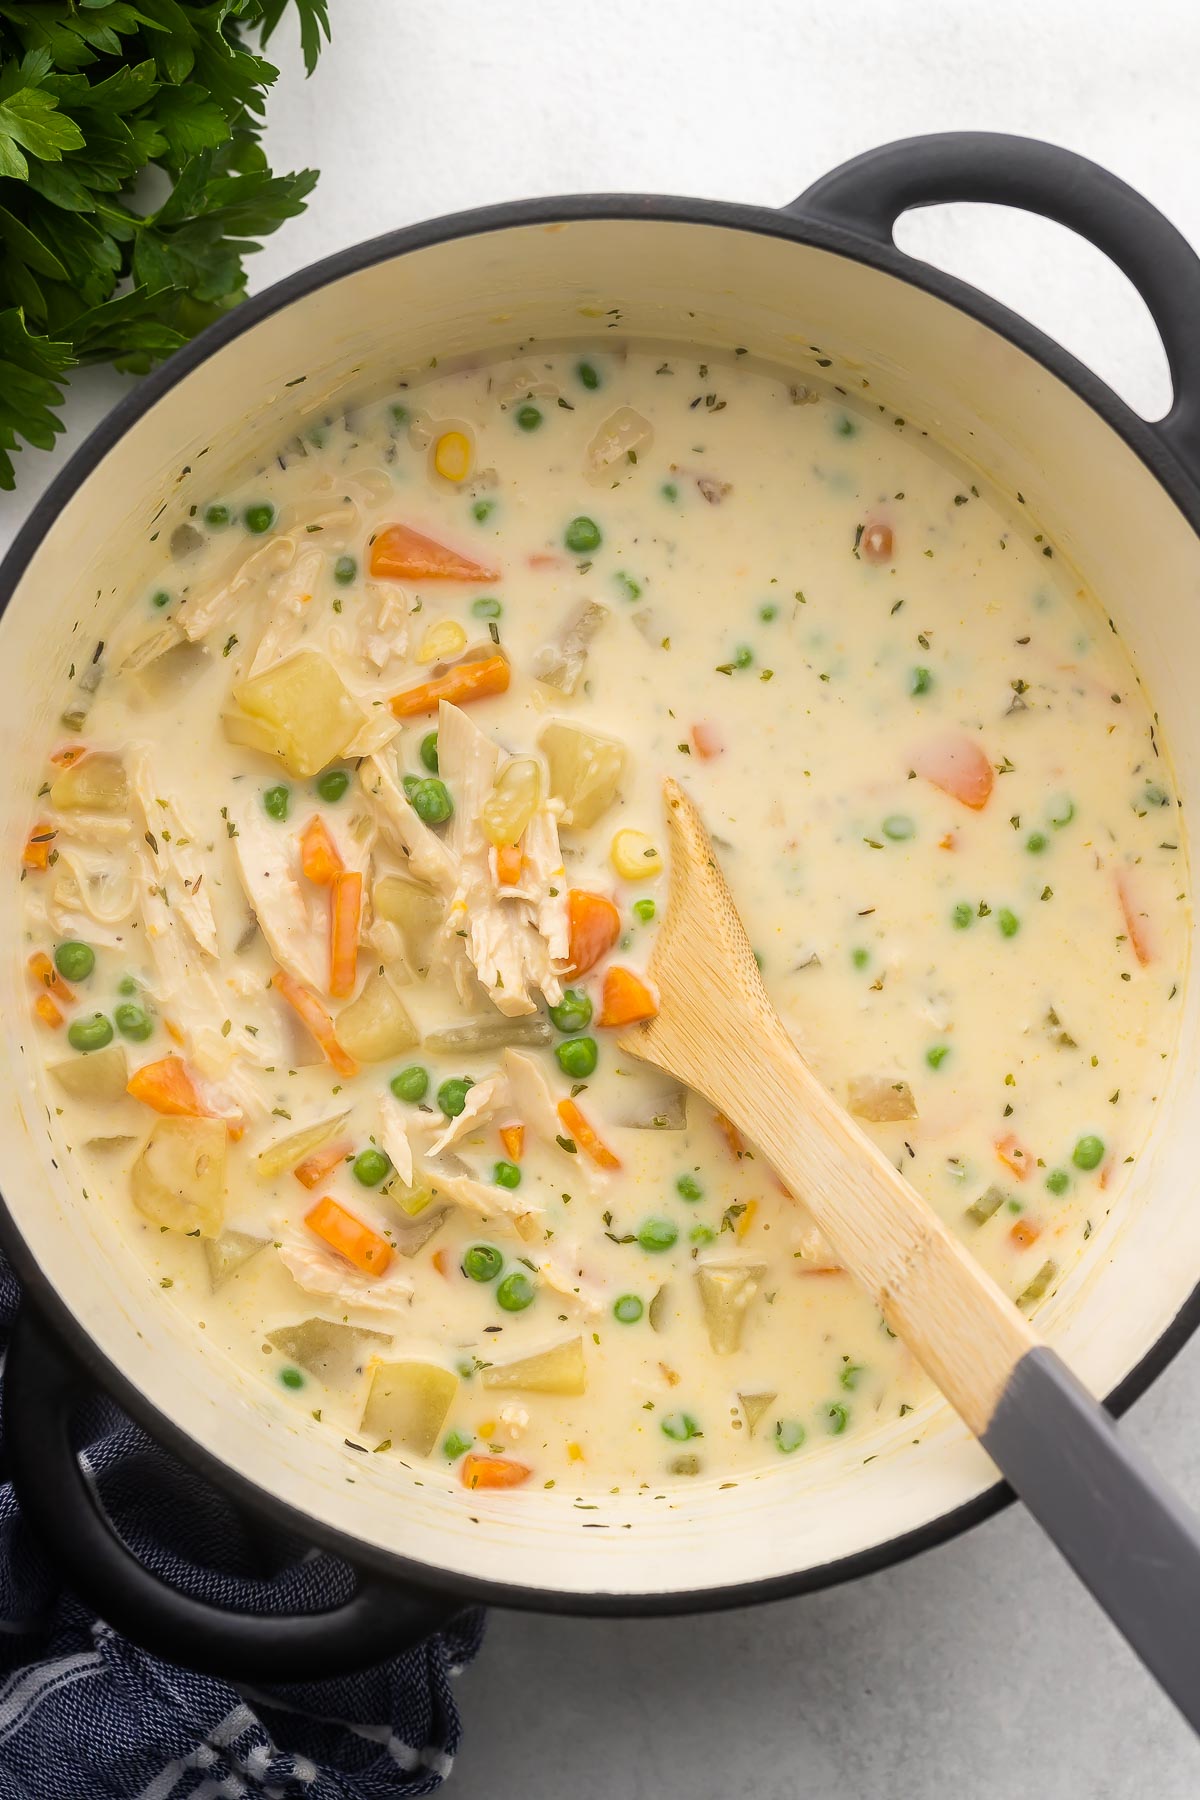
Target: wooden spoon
(1132,1541)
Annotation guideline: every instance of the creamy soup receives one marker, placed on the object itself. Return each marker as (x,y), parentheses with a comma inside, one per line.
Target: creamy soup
(348,861)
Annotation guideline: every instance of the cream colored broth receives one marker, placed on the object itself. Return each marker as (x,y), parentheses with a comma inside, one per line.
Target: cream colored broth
(1003,970)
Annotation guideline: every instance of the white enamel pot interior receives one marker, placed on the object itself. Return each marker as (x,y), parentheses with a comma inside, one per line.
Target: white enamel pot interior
(798,293)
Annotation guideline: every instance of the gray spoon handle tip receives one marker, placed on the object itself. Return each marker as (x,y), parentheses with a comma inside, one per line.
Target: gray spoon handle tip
(1127,1536)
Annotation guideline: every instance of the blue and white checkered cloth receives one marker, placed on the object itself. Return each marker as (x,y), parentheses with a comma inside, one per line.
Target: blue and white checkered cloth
(86,1715)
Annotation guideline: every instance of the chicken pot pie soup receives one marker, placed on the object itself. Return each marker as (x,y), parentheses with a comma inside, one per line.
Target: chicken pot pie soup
(346,867)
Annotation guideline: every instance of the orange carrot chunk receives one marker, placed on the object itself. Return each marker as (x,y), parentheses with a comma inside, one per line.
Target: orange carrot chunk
(593,925)
(959,766)
(626,1000)
(344,917)
(465,681)
(438,1259)
(1024,1233)
(321,1163)
(315,1019)
(70,753)
(1015,1156)
(513,1139)
(168,1087)
(319,854)
(36,854)
(401,554)
(43,970)
(585,1138)
(350,1236)
(46,1010)
(493,1472)
(706,740)
(1137,924)
(876,542)
(509,862)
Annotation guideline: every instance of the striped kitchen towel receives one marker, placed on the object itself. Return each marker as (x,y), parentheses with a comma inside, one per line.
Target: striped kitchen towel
(86,1715)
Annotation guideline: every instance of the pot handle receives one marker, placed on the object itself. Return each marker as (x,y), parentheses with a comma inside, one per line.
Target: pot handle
(868,194)
(43,1389)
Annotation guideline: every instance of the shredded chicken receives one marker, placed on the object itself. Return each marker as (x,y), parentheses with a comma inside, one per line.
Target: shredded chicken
(532,1101)
(484,1101)
(268,864)
(199,614)
(178,861)
(394,1138)
(426,855)
(323,1272)
(289,606)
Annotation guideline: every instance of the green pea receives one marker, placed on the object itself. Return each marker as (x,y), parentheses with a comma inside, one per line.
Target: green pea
(1088,1153)
(90,1034)
(898,826)
(452,1095)
(482,1262)
(669,492)
(1058,1181)
(411,1084)
(430,799)
(767,613)
(333,784)
(344,570)
(589,377)
(577,1057)
(529,417)
(849,1374)
(573,1012)
(789,1435)
(276,801)
(1062,811)
(506,1174)
(582,535)
(429,752)
(216,517)
(456,1445)
(631,589)
(161,599)
(837,1419)
(482,509)
(628,1309)
(1008,922)
(486,608)
(920,680)
(860,957)
(127,985)
(291,1378)
(657,1234)
(74,961)
(644,910)
(688,1188)
(259,518)
(515,1292)
(1036,842)
(700,1234)
(743,656)
(679,1427)
(133,1022)
(962,916)
(936,1055)
(370,1166)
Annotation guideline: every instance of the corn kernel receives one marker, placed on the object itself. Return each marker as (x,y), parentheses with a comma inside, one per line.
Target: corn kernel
(575,1452)
(634,856)
(452,456)
(442,641)
(747,1218)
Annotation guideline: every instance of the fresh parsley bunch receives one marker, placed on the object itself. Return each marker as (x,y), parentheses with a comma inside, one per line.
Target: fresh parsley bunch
(132,183)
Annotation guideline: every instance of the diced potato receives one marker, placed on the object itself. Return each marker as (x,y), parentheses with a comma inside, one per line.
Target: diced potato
(179,1178)
(623,431)
(332,1352)
(408,1404)
(299,711)
(108,1146)
(226,1254)
(557,1371)
(881,1098)
(515,797)
(413,1200)
(99,1075)
(412,1233)
(415,911)
(726,1290)
(376,1025)
(754,1406)
(585,772)
(96,783)
(288,1151)
(561,664)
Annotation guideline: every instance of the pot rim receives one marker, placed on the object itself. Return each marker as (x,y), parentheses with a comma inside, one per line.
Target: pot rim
(797,226)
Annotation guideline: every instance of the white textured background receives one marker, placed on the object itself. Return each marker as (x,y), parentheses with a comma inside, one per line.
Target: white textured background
(979,1671)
